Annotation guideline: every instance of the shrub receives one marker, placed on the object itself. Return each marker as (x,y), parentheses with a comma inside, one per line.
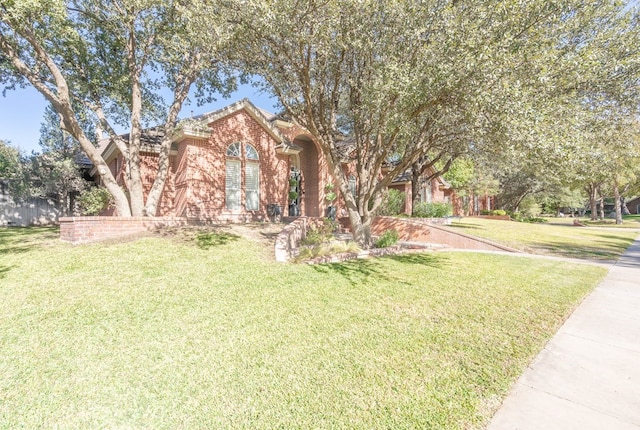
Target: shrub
(520,217)
(320,233)
(310,252)
(498,212)
(392,203)
(432,210)
(388,238)
(94,200)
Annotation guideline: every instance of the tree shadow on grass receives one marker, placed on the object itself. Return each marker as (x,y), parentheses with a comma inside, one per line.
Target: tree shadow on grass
(363,270)
(4,270)
(579,252)
(424,259)
(211,239)
(15,240)
(627,241)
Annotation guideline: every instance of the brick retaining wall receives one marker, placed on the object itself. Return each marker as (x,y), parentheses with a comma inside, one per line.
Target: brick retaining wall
(289,238)
(96,228)
(419,230)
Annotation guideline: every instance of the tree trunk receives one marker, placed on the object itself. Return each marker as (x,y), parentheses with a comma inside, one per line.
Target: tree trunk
(618,207)
(592,189)
(136,192)
(119,197)
(179,95)
(415,188)
(601,206)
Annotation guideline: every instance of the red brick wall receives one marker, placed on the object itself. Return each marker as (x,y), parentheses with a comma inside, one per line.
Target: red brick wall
(196,184)
(274,168)
(96,228)
(416,230)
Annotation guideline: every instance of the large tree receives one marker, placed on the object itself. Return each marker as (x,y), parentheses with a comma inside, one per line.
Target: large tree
(409,81)
(112,59)
(57,172)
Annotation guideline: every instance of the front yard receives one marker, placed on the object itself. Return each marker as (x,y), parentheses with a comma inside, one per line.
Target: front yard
(207,332)
(559,237)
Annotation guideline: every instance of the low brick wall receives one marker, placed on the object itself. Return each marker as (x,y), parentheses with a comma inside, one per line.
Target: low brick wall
(96,228)
(419,230)
(289,238)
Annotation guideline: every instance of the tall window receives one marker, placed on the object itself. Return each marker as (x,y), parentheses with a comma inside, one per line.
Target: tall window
(425,192)
(352,185)
(237,155)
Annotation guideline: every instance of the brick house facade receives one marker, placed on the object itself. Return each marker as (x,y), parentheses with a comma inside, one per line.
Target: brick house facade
(237,164)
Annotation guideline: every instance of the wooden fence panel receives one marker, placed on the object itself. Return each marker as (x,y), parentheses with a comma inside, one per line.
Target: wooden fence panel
(34,211)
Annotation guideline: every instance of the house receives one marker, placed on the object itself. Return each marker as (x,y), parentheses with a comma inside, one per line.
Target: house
(239,163)
(429,190)
(634,206)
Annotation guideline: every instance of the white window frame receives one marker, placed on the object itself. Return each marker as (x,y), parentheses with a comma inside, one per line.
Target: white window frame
(239,155)
(233,191)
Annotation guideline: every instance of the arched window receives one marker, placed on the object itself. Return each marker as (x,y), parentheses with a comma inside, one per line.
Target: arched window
(234,150)
(252,178)
(237,155)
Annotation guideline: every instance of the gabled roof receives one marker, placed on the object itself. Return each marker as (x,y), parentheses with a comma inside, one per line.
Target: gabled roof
(264,118)
(151,138)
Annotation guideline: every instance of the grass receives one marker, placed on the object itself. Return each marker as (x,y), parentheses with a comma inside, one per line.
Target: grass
(168,334)
(628,221)
(556,238)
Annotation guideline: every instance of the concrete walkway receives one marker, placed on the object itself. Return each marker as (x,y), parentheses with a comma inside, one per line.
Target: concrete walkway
(588,375)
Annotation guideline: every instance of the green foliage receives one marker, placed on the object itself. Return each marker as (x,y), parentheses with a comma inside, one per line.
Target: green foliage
(432,210)
(388,238)
(523,217)
(131,64)
(330,195)
(94,200)
(496,212)
(461,174)
(392,203)
(529,207)
(318,233)
(9,161)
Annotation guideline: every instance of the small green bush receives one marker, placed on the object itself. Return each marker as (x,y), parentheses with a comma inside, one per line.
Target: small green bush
(320,233)
(388,238)
(392,203)
(498,212)
(432,210)
(94,200)
(520,217)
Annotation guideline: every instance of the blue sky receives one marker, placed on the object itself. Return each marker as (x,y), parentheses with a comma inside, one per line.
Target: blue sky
(22,111)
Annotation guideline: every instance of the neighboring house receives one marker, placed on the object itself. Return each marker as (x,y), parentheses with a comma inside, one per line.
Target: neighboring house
(634,206)
(430,190)
(237,164)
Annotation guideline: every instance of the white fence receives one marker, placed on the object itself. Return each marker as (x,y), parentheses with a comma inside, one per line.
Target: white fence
(34,211)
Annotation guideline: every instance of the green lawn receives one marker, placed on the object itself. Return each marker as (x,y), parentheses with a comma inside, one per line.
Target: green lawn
(162,333)
(558,237)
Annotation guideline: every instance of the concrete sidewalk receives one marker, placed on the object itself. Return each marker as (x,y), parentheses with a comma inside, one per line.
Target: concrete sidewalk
(588,375)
